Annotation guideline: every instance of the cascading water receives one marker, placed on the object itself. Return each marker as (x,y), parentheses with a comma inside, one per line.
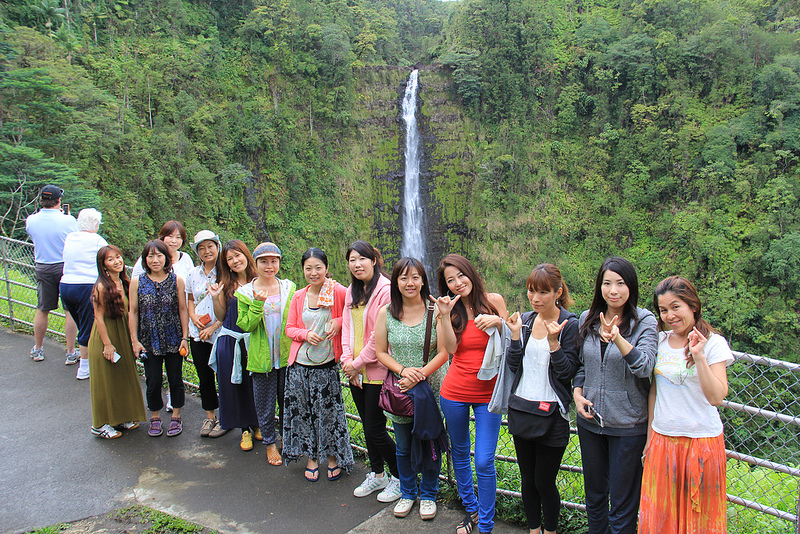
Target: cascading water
(413,244)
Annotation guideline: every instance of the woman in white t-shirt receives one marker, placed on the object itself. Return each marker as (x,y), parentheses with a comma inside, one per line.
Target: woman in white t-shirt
(173,234)
(683,487)
(77,282)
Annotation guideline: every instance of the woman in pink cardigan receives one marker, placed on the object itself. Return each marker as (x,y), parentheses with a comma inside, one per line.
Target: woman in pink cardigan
(314,423)
(368,293)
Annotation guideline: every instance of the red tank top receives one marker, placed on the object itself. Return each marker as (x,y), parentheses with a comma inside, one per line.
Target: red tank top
(461,383)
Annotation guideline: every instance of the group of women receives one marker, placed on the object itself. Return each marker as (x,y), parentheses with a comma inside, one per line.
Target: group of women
(651,449)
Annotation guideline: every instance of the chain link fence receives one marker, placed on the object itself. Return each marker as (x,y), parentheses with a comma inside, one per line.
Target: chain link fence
(761,417)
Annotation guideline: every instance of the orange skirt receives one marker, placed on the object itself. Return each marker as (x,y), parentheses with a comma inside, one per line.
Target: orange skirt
(683,486)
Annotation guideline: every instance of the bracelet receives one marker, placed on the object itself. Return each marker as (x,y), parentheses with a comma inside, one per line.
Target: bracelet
(558,348)
(401,372)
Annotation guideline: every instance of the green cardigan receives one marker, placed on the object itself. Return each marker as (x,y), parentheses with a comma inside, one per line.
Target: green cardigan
(251,319)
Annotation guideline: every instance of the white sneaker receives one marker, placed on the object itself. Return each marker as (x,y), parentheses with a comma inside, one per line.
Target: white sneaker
(403,507)
(73,357)
(106,432)
(427,509)
(392,491)
(371,483)
(37,354)
(83,373)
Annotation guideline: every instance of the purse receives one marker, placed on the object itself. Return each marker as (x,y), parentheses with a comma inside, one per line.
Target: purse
(392,399)
(531,419)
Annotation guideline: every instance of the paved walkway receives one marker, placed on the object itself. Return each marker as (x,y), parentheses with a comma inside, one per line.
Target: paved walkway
(55,471)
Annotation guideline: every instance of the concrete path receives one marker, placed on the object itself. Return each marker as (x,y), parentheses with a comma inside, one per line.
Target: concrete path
(55,471)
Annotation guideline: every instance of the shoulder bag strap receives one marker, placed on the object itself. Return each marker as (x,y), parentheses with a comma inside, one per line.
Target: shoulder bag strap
(429,323)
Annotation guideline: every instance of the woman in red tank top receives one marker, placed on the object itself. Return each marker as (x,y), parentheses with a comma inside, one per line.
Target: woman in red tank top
(469,316)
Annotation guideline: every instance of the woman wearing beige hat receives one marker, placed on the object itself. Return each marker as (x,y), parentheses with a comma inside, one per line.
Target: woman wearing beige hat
(263,309)
(204,325)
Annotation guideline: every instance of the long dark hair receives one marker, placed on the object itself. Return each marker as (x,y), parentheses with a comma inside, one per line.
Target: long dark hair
(224,274)
(630,316)
(479,298)
(159,246)
(112,303)
(686,292)
(547,277)
(401,267)
(362,293)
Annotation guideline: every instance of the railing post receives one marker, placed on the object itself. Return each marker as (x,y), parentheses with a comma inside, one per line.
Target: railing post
(797,512)
(8,284)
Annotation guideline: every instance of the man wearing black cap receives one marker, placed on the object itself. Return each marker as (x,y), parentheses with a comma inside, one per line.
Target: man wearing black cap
(48,229)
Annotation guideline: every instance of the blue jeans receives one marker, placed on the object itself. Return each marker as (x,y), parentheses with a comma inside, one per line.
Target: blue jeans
(408,478)
(487,429)
(612,472)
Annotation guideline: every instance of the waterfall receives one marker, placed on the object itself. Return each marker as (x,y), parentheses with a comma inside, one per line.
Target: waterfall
(413,243)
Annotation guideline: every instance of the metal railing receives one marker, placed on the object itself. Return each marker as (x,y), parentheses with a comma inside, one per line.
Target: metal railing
(761,417)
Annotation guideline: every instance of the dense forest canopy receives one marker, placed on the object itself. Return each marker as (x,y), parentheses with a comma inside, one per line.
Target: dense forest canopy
(667,131)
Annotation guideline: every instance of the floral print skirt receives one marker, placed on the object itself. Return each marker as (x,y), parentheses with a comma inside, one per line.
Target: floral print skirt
(314,423)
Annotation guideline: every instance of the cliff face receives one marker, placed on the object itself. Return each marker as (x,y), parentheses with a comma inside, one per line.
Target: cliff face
(372,193)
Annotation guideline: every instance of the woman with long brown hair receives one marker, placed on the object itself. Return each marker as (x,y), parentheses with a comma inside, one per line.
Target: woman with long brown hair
(114,375)
(235,268)
(470,316)
(683,486)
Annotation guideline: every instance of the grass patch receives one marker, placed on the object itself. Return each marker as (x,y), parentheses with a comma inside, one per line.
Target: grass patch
(135,519)
(157,522)
(51,530)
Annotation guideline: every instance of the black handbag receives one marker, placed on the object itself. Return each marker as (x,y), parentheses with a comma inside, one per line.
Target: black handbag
(531,419)
(392,399)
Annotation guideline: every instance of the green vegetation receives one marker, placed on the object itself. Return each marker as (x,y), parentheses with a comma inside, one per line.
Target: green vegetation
(660,130)
(663,130)
(157,522)
(140,519)
(55,529)
(666,131)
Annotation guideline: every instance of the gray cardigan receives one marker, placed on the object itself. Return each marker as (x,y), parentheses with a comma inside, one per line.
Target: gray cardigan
(618,386)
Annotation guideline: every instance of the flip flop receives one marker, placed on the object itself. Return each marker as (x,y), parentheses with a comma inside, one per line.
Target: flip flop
(333,477)
(313,472)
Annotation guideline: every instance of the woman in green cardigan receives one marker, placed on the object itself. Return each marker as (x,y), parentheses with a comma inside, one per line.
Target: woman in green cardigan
(263,308)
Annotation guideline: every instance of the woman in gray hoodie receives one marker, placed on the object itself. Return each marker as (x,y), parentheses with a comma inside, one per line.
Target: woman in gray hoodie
(618,348)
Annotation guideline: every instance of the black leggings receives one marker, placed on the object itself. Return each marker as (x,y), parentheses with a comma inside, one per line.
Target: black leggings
(538,467)
(201,352)
(380,446)
(173,363)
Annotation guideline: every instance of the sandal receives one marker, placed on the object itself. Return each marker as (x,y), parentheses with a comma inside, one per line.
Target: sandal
(273,455)
(313,473)
(175,427)
(155,427)
(337,476)
(468,523)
